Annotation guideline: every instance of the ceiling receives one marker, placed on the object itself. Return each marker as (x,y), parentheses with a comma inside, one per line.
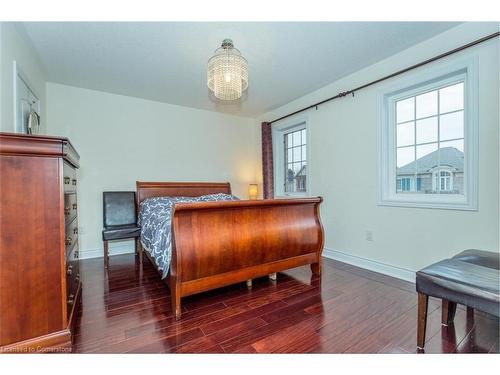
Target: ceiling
(166,61)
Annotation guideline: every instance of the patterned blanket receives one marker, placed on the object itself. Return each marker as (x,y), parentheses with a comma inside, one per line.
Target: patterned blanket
(155,219)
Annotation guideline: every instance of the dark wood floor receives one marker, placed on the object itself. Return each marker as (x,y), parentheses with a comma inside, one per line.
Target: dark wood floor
(350,310)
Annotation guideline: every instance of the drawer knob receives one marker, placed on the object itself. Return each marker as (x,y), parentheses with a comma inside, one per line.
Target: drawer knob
(68,241)
(74,206)
(71,299)
(67,180)
(75,230)
(74,182)
(70,269)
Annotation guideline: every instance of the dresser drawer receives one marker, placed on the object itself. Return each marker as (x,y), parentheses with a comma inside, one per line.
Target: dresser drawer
(70,207)
(72,274)
(69,177)
(71,235)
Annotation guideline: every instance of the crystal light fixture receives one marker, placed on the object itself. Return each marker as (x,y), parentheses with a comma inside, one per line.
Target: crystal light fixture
(227,73)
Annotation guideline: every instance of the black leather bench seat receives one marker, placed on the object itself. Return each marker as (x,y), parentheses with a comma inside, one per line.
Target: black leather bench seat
(470,278)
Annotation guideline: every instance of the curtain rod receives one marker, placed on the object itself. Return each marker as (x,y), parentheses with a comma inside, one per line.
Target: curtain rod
(342,94)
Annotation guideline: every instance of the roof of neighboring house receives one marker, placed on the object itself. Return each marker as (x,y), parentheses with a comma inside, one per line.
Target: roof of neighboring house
(302,171)
(447,156)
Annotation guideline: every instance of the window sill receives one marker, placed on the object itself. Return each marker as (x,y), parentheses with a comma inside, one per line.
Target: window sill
(463,206)
(288,196)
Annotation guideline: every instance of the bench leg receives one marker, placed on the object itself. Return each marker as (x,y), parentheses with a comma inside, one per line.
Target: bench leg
(106,254)
(273,276)
(423,300)
(249,283)
(448,312)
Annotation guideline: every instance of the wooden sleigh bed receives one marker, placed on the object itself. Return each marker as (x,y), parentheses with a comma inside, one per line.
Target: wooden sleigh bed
(221,243)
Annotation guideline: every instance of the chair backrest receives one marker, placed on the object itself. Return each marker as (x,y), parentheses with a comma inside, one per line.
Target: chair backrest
(119,208)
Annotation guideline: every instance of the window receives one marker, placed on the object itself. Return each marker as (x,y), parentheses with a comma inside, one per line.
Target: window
(443,181)
(404,184)
(290,159)
(419,183)
(428,139)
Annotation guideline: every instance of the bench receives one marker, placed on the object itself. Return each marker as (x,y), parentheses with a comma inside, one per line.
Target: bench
(470,278)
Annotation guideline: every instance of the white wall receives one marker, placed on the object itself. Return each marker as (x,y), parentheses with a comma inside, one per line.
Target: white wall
(15,47)
(123,139)
(343,167)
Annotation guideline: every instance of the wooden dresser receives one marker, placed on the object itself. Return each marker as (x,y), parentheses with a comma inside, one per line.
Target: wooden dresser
(40,286)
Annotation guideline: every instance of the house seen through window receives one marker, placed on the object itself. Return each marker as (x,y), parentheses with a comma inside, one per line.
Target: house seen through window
(430,141)
(295,161)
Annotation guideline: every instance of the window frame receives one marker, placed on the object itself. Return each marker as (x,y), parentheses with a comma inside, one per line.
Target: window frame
(444,74)
(278,132)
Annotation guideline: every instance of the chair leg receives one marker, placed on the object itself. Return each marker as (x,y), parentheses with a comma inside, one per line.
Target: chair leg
(138,248)
(106,254)
(423,300)
(448,312)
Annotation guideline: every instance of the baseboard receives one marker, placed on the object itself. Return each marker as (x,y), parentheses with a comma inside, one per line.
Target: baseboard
(372,265)
(114,249)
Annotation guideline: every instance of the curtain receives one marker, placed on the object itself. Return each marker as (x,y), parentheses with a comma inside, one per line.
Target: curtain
(267,160)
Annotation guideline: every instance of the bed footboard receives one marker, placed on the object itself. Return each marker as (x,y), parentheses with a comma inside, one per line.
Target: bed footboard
(221,243)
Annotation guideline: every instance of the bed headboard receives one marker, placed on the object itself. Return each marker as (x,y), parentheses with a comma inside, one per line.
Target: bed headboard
(172,189)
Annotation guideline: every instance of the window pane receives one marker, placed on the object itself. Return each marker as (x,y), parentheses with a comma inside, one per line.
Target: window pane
(303,136)
(288,140)
(405,155)
(405,134)
(451,98)
(405,110)
(458,145)
(304,154)
(296,138)
(296,154)
(427,130)
(424,150)
(452,156)
(427,104)
(289,177)
(296,167)
(451,126)
(289,155)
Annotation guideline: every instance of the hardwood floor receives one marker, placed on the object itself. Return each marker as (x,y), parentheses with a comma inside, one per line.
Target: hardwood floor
(348,310)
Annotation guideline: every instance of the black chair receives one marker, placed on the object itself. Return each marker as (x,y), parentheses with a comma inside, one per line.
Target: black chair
(119,219)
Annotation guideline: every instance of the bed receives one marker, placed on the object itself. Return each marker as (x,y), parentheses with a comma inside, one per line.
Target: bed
(218,243)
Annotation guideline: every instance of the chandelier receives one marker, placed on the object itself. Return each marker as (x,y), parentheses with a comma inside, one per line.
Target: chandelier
(227,73)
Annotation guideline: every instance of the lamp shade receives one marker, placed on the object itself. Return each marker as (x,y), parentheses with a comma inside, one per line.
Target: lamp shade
(253,191)
(227,72)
